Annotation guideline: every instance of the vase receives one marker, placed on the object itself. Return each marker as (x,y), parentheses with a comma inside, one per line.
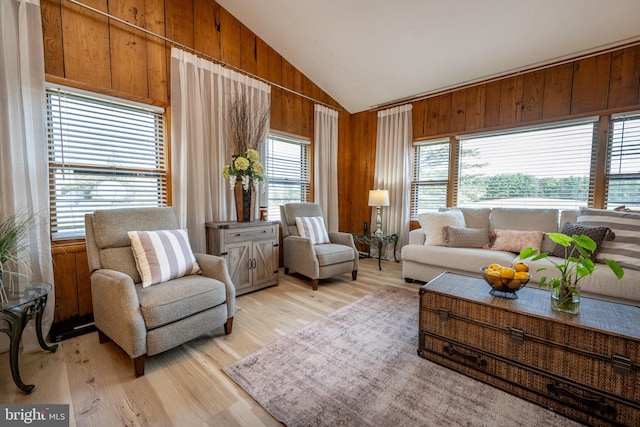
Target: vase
(566,298)
(245,201)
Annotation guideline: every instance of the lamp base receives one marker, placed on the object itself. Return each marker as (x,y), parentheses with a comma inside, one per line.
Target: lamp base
(378,232)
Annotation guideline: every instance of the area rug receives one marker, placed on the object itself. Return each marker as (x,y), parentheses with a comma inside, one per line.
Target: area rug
(358,367)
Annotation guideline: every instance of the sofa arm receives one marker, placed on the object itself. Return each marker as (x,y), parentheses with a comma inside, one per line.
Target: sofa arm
(416,237)
(116,310)
(216,267)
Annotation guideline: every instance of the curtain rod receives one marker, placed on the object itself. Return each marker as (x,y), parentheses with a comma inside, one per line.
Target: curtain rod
(484,80)
(202,54)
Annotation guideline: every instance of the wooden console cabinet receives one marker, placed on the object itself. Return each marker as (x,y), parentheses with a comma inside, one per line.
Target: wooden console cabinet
(251,251)
(584,366)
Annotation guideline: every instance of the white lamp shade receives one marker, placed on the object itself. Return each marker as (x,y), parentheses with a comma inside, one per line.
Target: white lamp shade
(378,197)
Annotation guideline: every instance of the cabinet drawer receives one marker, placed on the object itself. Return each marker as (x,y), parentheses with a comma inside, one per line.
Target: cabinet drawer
(255,233)
(576,401)
(552,347)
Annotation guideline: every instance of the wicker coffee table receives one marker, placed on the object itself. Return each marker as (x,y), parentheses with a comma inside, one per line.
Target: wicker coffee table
(584,366)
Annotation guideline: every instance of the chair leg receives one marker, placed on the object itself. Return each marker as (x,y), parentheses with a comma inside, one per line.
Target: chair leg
(102,338)
(314,284)
(354,274)
(228,326)
(138,365)
(286,270)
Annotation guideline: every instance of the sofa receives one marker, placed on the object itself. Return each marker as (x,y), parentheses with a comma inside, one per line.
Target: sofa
(463,240)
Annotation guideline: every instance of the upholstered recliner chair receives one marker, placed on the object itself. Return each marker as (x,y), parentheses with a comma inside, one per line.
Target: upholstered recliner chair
(307,252)
(148,319)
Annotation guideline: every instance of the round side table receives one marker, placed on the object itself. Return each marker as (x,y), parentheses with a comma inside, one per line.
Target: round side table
(24,303)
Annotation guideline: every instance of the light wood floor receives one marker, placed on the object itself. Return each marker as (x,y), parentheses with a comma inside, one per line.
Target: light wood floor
(185,386)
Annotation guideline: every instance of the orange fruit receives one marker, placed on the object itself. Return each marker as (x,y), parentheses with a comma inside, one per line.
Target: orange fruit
(520,266)
(494,266)
(514,284)
(507,273)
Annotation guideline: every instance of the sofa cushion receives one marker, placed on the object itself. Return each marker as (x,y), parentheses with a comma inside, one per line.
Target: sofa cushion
(473,217)
(524,219)
(433,224)
(463,237)
(177,299)
(516,240)
(625,248)
(332,253)
(312,228)
(596,233)
(465,259)
(162,255)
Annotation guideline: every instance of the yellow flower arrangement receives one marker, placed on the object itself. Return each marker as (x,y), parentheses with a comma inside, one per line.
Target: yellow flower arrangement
(245,166)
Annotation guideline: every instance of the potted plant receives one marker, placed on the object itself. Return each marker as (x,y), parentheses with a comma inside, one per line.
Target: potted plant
(247,130)
(13,230)
(576,264)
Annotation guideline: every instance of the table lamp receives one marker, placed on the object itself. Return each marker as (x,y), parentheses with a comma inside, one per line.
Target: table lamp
(378,198)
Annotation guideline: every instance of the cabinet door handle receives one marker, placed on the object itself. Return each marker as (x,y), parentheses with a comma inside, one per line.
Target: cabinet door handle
(598,405)
(476,360)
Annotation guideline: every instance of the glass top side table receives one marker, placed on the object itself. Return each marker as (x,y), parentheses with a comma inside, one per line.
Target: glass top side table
(25,302)
(380,241)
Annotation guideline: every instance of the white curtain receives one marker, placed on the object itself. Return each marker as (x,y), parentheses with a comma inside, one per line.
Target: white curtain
(200,96)
(23,160)
(393,170)
(325,175)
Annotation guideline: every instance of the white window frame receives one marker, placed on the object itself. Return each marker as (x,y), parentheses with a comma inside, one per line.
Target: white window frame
(285,171)
(571,149)
(118,155)
(623,160)
(439,183)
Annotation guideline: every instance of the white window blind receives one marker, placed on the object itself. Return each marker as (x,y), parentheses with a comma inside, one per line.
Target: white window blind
(623,175)
(287,168)
(103,154)
(430,176)
(532,168)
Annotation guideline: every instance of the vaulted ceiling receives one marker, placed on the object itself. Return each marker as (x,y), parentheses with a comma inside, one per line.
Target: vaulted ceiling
(365,53)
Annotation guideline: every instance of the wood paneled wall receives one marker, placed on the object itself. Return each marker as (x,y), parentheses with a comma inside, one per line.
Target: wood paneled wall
(598,85)
(86,50)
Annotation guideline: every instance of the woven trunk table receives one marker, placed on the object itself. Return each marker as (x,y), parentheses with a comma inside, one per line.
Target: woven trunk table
(585,366)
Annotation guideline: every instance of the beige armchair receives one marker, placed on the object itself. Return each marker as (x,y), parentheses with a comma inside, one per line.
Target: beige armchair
(145,321)
(319,261)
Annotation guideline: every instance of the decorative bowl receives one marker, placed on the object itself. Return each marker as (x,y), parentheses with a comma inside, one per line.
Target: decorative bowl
(502,286)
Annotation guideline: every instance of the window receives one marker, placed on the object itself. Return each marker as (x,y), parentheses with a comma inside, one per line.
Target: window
(623,163)
(287,167)
(430,176)
(103,153)
(534,168)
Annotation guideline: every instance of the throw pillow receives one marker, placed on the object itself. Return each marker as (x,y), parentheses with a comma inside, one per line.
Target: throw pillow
(516,240)
(312,228)
(433,224)
(463,237)
(162,255)
(597,233)
(625,248)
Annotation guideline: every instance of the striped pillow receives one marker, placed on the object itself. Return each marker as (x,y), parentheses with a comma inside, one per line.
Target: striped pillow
(625,248)
(312,228)
(162,255)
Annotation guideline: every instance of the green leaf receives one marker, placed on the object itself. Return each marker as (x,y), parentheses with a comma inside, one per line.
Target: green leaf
(585,242)
(561,239)
(528,252)
(615,267)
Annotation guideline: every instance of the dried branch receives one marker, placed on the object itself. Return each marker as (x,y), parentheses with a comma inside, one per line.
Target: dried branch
(247,126)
